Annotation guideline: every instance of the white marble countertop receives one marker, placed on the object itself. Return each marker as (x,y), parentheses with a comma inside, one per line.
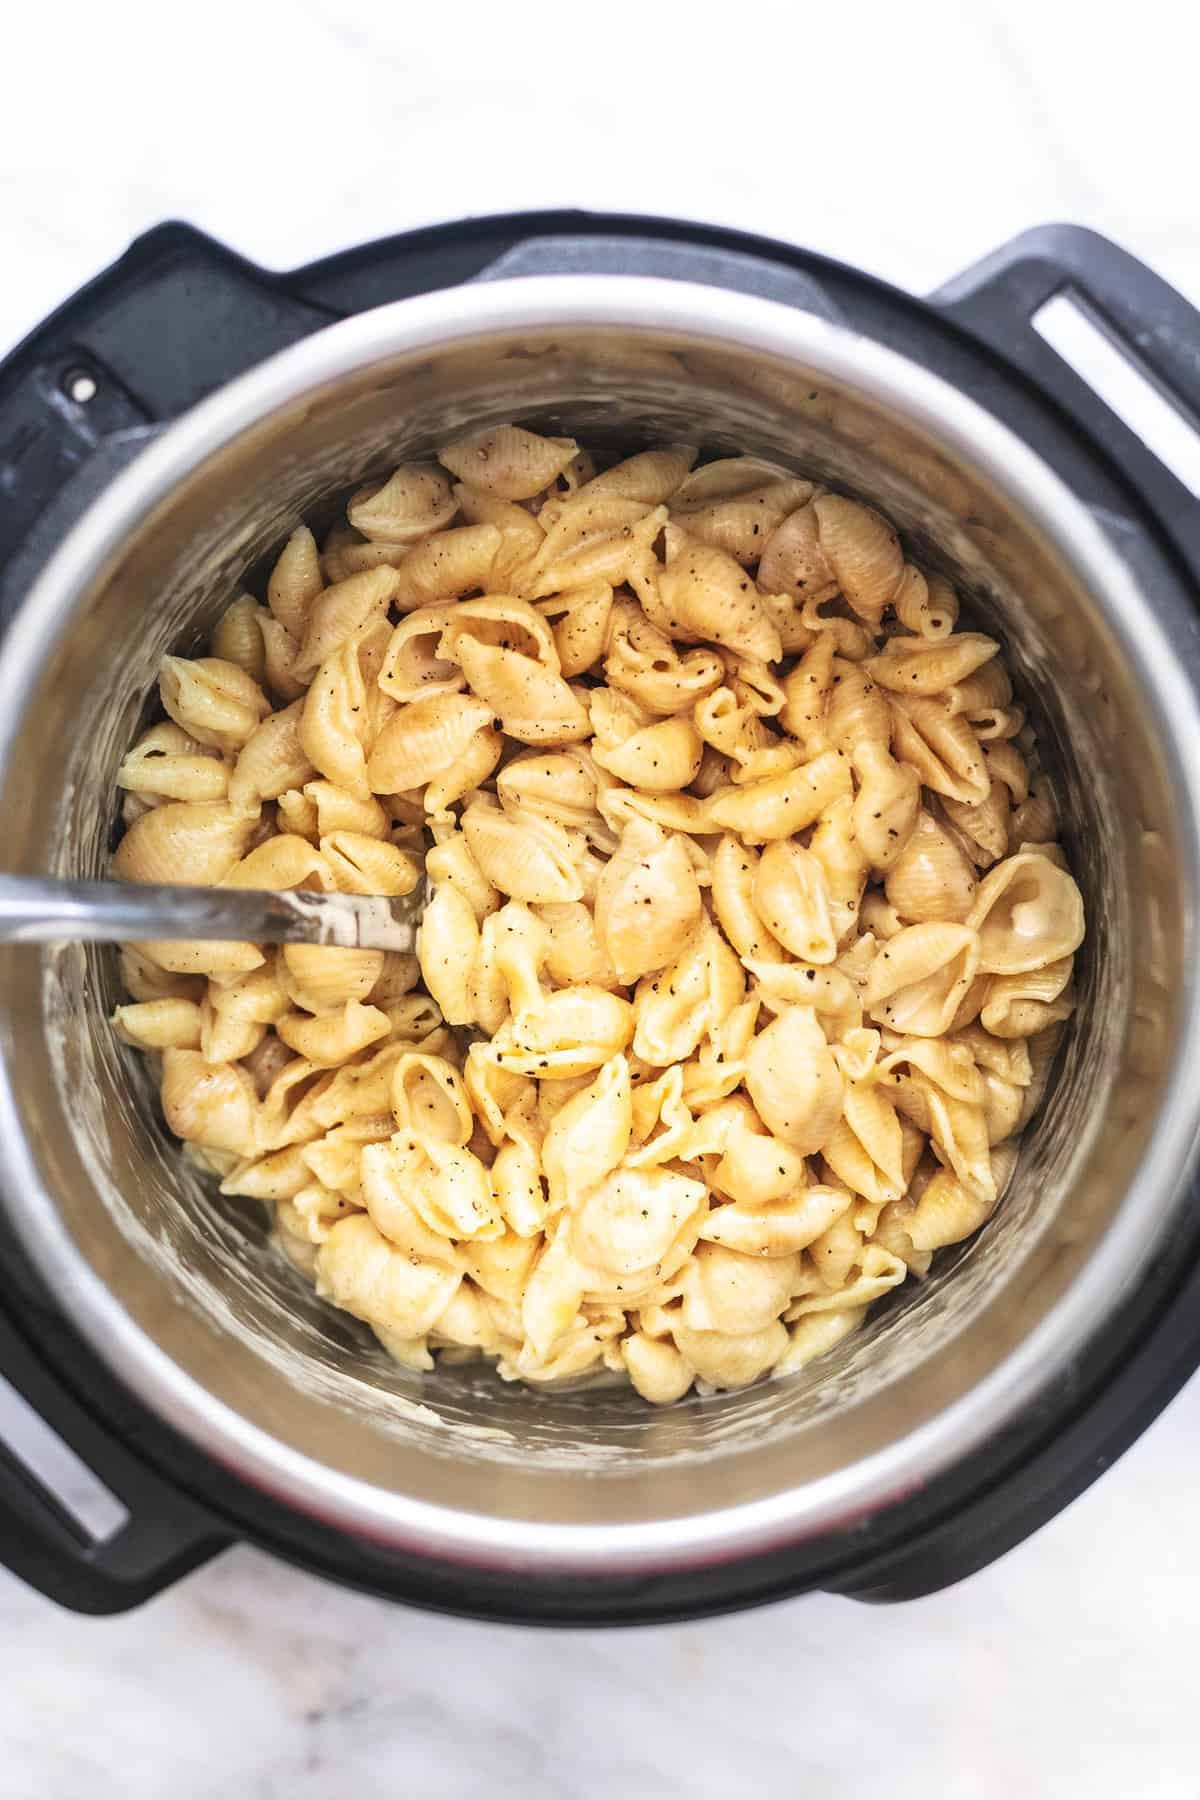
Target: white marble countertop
(910,140)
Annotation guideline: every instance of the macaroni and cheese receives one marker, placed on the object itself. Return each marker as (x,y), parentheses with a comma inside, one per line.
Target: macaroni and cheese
(747,940)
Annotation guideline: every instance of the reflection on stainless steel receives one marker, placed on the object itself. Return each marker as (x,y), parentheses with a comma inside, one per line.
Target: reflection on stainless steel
(190,1303)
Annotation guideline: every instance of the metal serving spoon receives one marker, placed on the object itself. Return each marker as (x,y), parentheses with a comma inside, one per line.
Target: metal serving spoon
(37,909)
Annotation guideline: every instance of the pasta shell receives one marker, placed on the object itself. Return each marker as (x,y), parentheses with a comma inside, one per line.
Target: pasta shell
(987,689)
(792,899)
(692,997)
(573,948)
(500,1266)
(272,760)
(755,1168)
(734,728)
(523,855)
(726,1292)
(360,1090)
(931,878)
(166,763)
(863,551)
(941,746)
(647,901)
(878,1272)
(333,1038)
(342,612)
(643,662)
(865,1148)
(947,1212)
(279,1176)
(652,476)
(412,669)
(926,605)
(280,653)
(602,539)
(580,620)
(919,978)
(501,622)
(411,503)
(429,1099)
(336,1159)
(286,861)
(852,641)
(704,594)
(674,812)
(755,685)
(837,1252)
(332,725)
(776,1228)
(194,844)
(837,847)
(635,1219)
(734,873)
(787,616)
(662,1122)
(1035,820)
(294,583)
(335,810)
(658,758)
(983,825)
(360,1271)
(740,524)
(879,917)
(213,1104)
(238,638)
(521,535)
(588,1138)
(424,740)
(725,478)
(508,461)
(656,1369)
(827,990)
(166,1024)
(573,1032)
(816,1335)
(727,1360)
(885,807)
(363,865)
(226,1038)
(857,714)
(533,704)
(447,945)
(553,1295)
(1028,913)
(793,1080)
(781,805)
(215,702)
(794,562)
(443,567)
(1018,1006)
(400,974)
(915,666)
(321,979)
(520,1191)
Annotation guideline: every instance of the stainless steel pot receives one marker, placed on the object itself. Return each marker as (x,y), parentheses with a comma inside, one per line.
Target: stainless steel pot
(183,1296)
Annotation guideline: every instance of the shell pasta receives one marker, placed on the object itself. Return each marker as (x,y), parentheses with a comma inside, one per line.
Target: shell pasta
(747,942)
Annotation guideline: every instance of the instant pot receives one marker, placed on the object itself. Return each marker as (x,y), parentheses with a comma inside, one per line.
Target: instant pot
(159,435)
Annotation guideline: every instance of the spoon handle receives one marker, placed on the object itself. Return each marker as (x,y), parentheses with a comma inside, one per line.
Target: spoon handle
(37,909)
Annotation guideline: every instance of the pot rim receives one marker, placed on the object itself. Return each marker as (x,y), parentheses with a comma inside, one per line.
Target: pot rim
(654,307)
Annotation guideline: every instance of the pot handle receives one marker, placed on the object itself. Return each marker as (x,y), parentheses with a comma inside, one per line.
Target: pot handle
(1143,318)
(159,1535)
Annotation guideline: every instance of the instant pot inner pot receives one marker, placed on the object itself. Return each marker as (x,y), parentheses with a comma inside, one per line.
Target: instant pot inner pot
(198,1274)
